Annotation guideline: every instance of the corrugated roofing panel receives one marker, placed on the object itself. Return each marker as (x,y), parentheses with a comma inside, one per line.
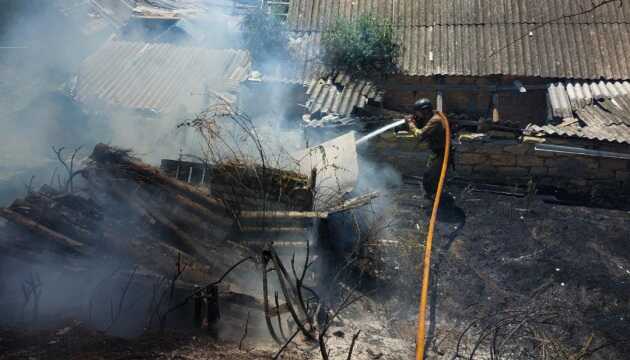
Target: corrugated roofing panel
(338,94)
(311,15)
(595,111)
(492,37)
(159,76)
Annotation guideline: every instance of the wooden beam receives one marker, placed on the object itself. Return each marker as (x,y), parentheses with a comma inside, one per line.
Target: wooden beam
(495,108)
(440,100)
(464,88)
(43,231)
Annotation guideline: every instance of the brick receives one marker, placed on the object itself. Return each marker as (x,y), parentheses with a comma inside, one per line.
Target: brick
(529,161)
(503,159)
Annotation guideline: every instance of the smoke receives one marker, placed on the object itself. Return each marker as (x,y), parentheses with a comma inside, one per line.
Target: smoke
(40,49)
(37,113)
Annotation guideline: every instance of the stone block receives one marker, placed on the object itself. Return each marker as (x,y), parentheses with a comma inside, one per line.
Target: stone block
(578,182)
(547,181)
(622,175)
(466,147)
(519,149)
(504,159)
(485,170)
(544,154)
(504,135)
(601,174)
(529,161)
(557,172)
(572,163)
(613,164)
(511,171)
(464,170)
(470,159)
(538,170)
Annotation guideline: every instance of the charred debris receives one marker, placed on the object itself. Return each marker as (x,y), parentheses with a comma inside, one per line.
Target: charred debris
(191,245)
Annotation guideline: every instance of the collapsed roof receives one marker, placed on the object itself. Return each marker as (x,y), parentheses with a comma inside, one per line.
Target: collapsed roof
(339,94)
(593,111)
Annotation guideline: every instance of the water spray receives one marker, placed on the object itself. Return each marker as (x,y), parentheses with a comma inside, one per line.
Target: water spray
(380,131)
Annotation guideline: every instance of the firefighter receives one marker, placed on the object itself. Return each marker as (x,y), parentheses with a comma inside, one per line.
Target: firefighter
(432,132)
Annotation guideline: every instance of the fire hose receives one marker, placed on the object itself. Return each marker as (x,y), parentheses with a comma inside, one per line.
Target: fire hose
(426,266)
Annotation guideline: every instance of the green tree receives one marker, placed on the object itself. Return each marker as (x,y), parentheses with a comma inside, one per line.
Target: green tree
(363,47)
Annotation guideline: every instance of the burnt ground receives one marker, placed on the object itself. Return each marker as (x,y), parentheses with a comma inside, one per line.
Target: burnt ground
(542,280)
(75,341)
(512,278)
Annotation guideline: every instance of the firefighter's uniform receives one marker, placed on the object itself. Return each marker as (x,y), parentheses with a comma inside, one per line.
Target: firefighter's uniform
(433,133)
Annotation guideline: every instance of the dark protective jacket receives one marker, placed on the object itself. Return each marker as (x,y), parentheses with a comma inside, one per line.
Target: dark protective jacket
(433,133)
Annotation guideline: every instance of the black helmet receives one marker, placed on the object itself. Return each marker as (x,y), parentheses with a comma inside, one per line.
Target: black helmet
(422,105)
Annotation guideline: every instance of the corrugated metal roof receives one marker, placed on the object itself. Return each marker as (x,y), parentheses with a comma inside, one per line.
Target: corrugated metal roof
(339,94)
(594,111)
(492,37)
(159,76)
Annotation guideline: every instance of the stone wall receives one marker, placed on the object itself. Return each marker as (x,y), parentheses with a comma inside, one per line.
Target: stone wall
(480,157)
(403,153)
(515,162)
(513,107)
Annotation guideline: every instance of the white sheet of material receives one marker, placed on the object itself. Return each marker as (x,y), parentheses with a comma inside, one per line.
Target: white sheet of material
(337,168)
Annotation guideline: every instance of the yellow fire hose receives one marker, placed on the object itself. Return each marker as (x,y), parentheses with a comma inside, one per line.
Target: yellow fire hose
(426,266)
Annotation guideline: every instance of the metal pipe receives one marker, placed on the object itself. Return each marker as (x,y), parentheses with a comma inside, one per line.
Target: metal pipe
(573,150)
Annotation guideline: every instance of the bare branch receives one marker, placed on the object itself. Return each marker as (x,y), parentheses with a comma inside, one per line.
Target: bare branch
(277,356)
(354,340)
(240,343)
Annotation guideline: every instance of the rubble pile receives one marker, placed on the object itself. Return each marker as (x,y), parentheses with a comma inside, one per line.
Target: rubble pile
(180,231)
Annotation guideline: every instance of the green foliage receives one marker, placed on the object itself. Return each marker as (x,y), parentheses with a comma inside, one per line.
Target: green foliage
(363,47)
(266,37)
